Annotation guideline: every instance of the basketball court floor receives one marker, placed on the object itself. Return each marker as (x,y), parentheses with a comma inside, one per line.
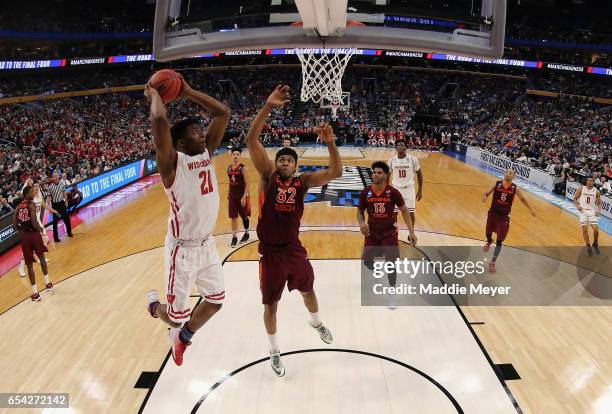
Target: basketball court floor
(94,339)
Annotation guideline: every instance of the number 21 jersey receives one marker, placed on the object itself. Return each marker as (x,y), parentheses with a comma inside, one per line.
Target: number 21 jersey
(194,198)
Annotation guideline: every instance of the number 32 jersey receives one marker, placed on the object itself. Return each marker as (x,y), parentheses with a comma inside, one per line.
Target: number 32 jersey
(194,198)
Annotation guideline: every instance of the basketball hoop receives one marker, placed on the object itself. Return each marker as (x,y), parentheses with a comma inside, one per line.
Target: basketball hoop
(322,71)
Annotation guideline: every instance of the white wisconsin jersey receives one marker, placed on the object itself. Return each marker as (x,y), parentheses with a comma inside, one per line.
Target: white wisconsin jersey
(194,198)
(403,170)
(38,202)
(587,198)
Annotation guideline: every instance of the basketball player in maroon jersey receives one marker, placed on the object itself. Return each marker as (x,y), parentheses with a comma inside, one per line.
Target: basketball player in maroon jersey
(26,222)
(281,205)
(380,200)
(498,218)
(238,199)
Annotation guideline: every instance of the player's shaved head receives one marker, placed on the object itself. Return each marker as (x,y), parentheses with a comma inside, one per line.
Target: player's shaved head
(509,174)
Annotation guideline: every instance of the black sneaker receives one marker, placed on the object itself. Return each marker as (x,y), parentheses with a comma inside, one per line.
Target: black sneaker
(234,241)
(590,250)
(245,237)
(596,247)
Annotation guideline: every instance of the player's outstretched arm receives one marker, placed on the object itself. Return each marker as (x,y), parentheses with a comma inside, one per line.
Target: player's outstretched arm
(35,222)
(419,175)
(406,215)
(245,175)
(219,111)
(488,193)
(577,197)
(15,226)
(361,208)
(524,201)
(263,164)
(165,153)
(322,177)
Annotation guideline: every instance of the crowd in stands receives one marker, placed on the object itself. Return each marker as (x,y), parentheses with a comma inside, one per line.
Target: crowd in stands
(83,136)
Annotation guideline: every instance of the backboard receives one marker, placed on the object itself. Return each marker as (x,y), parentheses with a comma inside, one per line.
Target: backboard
(188,28)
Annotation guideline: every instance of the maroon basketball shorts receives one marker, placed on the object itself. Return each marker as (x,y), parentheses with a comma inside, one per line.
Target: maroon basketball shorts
(32,241)
(235,209)
(498,224)
(288,265)
(386,246)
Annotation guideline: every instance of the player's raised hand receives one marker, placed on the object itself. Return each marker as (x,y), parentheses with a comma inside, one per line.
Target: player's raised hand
(185,88)
(365,229)
(280,96)
(150,92)
(325,131)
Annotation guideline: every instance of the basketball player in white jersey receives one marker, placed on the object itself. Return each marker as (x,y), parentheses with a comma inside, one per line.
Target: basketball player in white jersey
(184,158)
(588,203)
(403,168)
(38,200)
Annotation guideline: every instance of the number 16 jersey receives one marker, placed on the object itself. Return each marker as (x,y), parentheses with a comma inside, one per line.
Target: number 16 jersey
(194,198)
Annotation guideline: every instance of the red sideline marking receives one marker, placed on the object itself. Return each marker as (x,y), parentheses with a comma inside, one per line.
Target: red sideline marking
(11,258)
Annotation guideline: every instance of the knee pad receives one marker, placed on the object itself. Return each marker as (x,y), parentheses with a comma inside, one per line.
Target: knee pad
(498,243)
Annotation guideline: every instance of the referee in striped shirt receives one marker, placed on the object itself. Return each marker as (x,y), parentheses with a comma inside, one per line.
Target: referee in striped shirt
(57,195)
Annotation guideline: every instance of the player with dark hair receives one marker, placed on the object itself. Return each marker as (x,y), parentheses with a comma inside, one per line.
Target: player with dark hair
(588,202)
(403,168)
(381,200)
(238,199)
(498,218)
(26,221)
(184,158)
(281,205)
(286,142)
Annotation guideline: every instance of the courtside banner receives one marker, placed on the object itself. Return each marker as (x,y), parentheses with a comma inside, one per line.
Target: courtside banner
(606,202)
(533,175)
(8,236)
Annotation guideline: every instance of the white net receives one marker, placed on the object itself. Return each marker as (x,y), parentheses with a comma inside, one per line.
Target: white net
(322,74)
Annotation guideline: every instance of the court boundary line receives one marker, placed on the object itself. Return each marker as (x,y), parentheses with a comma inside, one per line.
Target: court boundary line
(439,386)
(505,387)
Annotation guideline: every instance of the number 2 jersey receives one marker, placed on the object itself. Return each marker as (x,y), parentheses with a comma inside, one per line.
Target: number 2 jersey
(281,205)
(194,198)
(380,207)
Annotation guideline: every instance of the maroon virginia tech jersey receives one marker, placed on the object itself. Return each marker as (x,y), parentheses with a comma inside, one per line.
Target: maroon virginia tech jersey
(281,206)
(24,221)
(502,198)
(381,209)
(236,181)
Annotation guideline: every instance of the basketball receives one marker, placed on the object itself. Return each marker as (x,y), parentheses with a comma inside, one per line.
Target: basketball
(168,84)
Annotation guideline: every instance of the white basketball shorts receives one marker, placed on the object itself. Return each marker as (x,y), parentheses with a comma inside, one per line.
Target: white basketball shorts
(188,264)
(588,217)
(409,195)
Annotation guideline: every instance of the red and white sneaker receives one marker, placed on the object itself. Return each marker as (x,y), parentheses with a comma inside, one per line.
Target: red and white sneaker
(35,297)
(49,287)
(178,347)
(486,247)
(152,302)
(491,267)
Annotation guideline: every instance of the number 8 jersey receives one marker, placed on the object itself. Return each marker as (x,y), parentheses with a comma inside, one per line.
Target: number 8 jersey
(194,198)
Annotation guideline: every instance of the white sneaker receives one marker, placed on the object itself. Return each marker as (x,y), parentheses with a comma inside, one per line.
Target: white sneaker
(324,333)
(277,364)
(21,269)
